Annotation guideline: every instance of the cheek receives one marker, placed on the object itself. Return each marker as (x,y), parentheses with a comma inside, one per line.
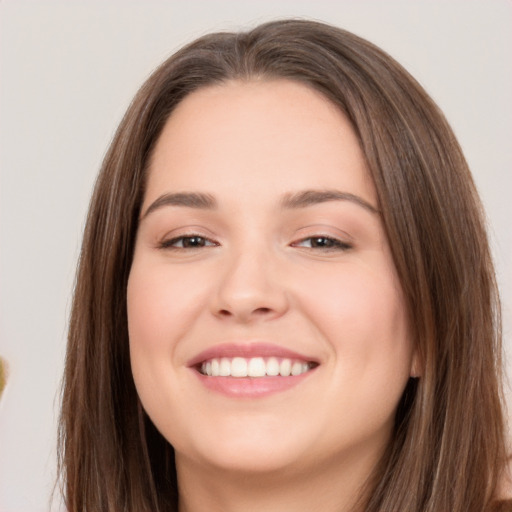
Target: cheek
(148,309)
(160,308)
(146,306)
(161,305)
(362,314)
(369,334)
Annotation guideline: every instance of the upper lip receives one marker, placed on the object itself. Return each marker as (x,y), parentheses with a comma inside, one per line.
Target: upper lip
(248,350)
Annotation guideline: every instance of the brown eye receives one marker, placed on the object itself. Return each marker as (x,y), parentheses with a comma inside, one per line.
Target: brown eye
(193,241)
(322,242)
(187,242)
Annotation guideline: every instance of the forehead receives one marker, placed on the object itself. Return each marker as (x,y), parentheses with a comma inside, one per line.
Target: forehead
(278,135)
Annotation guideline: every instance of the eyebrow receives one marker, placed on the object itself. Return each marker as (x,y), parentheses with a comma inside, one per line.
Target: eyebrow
(188,199)
(312,197)
(295,200)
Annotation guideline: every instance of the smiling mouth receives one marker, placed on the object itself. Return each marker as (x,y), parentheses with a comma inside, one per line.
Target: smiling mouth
(256,367)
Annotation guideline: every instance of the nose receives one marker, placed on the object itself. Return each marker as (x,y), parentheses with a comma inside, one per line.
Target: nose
(250,288)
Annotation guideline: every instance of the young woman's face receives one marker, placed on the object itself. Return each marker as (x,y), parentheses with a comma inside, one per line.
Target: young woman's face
(267,325)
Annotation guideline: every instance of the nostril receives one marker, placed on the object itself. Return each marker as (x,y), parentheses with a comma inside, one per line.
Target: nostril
(256,312)
(262,311)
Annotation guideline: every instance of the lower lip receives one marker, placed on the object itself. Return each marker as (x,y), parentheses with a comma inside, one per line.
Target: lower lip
(251,387)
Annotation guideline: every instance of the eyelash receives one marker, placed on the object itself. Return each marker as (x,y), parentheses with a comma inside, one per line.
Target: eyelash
(172,243)
(326,243)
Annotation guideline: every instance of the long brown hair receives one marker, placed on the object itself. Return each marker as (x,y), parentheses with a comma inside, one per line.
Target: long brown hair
(448,448)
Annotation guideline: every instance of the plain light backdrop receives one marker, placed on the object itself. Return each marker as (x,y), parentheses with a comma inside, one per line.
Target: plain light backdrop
(68,71)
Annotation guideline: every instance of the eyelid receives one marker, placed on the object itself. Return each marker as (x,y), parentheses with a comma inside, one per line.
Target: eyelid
(170,238)
(170,243)
(323,230)
(337,244)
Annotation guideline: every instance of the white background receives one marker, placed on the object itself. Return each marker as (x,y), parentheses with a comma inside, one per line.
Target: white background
(68,72)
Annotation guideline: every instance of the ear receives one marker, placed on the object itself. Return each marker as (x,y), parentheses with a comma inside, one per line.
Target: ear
(416,364)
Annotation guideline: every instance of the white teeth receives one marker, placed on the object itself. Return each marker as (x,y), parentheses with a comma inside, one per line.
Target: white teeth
(285,368)
(256,367)
(224,367)
(253,367)
(272,367)
(238,367)
(296,368)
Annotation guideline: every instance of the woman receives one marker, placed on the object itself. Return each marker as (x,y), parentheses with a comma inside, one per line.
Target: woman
(285,298)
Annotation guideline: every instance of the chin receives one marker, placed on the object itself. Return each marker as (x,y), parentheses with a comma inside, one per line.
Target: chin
(251,461)
(255,448)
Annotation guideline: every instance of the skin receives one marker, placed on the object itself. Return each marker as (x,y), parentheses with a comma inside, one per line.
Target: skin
(259,276)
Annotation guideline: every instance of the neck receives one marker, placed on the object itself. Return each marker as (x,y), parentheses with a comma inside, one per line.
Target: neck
(331,489)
